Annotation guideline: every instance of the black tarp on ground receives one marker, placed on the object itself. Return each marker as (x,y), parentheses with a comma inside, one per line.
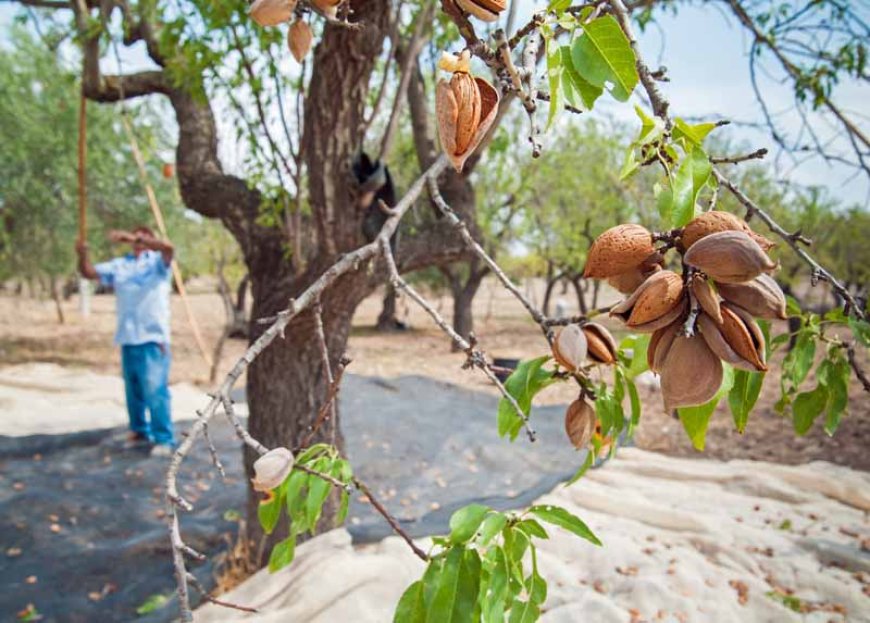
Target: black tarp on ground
(88,514)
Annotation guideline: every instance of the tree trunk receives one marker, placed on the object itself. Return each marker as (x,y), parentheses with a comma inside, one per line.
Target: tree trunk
(387,320)
(55,295)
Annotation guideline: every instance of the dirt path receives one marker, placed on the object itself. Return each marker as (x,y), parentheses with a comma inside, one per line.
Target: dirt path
(504,331)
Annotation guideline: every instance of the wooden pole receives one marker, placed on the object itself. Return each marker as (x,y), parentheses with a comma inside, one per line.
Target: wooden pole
(161,226)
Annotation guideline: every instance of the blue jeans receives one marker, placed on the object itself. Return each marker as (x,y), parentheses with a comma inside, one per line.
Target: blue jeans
(146,381)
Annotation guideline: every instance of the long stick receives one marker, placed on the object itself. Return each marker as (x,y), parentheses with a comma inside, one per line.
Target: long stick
(161,225)
(83,156)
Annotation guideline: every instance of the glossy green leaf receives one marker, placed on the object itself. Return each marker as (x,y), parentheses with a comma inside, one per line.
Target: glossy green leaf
(282,554)
(691,134)
(743,396)
(638,364)
(558,516)
(496,598)
(835,377)
(524,611)
(318,491)
(799,361)
(523,384)
(554,77)
(492,525)
(465,522)
(536,588)
(694,171)
(602,55)
(455,599)
(634,401)
(557,6)
(861,330)
(269,511)
(411,607)
(579,92)
(532,529)
(695,419)
(807,406)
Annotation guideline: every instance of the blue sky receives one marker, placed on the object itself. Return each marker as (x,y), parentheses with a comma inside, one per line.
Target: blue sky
(705,52)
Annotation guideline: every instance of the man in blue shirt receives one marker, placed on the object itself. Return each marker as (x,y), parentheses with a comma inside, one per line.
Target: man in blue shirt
(141,282)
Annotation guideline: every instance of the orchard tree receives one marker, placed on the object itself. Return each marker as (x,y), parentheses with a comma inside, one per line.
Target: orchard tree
(704,345)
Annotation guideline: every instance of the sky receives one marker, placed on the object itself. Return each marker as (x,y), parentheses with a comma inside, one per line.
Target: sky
(705,52)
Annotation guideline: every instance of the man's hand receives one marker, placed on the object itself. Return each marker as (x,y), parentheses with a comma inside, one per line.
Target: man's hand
(119,235)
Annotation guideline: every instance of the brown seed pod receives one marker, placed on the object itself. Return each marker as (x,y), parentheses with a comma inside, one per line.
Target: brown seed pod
(570,347)
(762,297)
(327,7)
(725,343)
(299,39)
(484,10)
(601,345)
(465,107)
(729,257)
(714,222)
(617,250)
(706,297)
(272,12)
(580,423)
(754,353)
(691,373)
(660,343)
(628,282)
(656,303)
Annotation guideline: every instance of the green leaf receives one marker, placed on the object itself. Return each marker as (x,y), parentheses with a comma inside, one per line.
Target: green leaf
(536,588)
(296,501)
(318,491)
(282,554)
(532,528)
(554,76)
(579,93)
(152,603)
(411,607)
(691,177)
(459,581)
(638,357)
(524,612)
(492,525)
(557,6)
(465,522)
(495,602)
(792,307)
(807,406)
(634,401)
(695,419)
(269,511)
(558,516)
(836,380)
(523,384)
(691,134)
(799,361)
(743,396)
(861,330)
(515,544)
(602,55)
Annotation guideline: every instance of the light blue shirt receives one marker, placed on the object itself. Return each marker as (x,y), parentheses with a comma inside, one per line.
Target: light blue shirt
(142,296)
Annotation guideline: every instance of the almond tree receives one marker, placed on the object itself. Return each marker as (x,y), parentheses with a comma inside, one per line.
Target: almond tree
(295,362)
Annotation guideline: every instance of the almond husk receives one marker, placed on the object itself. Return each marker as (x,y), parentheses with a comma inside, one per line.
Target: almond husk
(580,423)
(691,373)
(617,250)
(714,222)
(729,257)
(601,345)
(327,7)
(570,347)
(711,331)
(660,343)
(272,12)
(706,297)
(465,108)
(299,39)
(479,11)
(762,297)
(755,333)
(656,298)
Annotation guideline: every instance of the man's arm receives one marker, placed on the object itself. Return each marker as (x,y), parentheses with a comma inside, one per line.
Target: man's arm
(86,269)
(156,244)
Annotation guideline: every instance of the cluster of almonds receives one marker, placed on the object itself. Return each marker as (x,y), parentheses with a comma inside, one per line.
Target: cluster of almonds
(274,12)
(484,10)
(574,345)
(725,272)
(465,107)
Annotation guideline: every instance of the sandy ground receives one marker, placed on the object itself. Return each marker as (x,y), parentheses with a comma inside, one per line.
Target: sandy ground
(684,541)
(29,332)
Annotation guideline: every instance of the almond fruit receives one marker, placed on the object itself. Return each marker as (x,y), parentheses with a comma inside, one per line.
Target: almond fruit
(660,343)
(570,347)
(729,257)
(580,423)
(271,469)
(714,222)
(762,297)
(484,10)
(656,303)
(706,297)
(600,343)
(691,373)
(272,12)
(328,7)
(617,250)
(299,39)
